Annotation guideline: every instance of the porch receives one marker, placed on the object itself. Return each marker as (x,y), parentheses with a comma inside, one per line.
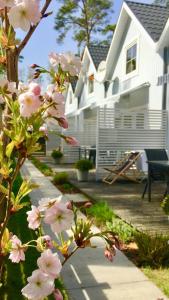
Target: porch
(113,132)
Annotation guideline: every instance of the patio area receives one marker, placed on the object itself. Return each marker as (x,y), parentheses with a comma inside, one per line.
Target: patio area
(124,197)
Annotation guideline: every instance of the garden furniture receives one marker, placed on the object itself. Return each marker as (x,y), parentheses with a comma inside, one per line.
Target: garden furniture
(125,168)
(158,168)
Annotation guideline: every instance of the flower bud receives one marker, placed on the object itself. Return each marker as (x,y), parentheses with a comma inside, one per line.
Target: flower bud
(44,242)
(34,66)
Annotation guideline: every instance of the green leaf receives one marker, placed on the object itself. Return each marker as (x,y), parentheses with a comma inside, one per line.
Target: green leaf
(3,190)
(9,149)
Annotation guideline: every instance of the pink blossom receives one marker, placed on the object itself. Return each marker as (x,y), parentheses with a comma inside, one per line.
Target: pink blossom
(34,217)
(54,59)
(71,140)
(39,286)
(35,88)
(6,3)
(68,62)
(109,253)
(29,104)
(63,122)
(49,263)
(57,110)
(24,14)
(72,65)
(17,250)
(46,203)
(59,217)
(57,295)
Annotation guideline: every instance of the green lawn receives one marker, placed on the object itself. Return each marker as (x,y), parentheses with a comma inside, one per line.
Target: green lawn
(160,277)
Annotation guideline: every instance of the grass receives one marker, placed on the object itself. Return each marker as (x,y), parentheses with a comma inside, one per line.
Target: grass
(15,274)
(45,169)
(105,217)
(160,277)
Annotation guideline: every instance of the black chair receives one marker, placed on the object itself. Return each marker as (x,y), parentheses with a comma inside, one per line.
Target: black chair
(92,154)
(155,173)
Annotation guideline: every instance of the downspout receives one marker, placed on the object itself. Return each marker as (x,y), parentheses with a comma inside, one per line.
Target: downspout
(166,59)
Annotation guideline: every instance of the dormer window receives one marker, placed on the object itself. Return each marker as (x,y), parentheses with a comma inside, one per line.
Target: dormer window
(131,58)
(91,84)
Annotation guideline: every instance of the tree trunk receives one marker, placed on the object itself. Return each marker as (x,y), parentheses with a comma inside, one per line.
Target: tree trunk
(12,65)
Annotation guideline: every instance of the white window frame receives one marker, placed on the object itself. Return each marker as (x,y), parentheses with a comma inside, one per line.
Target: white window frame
(126,48)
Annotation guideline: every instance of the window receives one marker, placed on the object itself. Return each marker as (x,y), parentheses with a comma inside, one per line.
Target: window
(131,59)
(106,87)
(91,84)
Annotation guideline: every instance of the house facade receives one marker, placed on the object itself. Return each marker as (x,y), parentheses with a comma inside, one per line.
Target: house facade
(126,93)
(128,77)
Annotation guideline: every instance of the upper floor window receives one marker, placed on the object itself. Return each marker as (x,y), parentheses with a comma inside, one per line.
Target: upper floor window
(131,59)
(106,87)
(91,84)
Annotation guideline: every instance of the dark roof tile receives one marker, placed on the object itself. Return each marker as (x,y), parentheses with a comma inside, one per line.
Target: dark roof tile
(152,17)
(98,53)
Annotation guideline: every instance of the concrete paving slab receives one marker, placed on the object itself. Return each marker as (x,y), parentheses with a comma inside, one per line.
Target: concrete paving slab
(88,275)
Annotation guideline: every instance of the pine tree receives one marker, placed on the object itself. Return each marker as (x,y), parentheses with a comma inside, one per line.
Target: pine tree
(87,19)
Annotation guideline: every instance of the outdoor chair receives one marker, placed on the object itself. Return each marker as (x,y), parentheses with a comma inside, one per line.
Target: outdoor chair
(92,154)
(125,168)
(155,172)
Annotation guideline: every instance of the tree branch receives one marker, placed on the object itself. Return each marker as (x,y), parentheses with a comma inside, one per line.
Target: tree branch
(33,28)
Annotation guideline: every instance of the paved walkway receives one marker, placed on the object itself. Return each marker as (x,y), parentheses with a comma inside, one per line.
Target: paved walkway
(125,199)
(88,275)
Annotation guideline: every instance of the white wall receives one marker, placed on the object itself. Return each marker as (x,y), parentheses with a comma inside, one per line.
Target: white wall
(149,65)
(70,107)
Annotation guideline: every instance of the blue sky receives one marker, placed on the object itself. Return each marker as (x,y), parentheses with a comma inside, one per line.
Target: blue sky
(43,40)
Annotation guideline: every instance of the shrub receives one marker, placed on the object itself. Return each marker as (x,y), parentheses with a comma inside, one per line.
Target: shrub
(84,165)
(101,212)
(61,178)
(67,187)
(57,154)
(42,167)
(124,231)
(165,205)
(153,249)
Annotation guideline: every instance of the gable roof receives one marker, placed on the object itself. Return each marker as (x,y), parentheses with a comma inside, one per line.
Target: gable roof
(152,17)
(98,53)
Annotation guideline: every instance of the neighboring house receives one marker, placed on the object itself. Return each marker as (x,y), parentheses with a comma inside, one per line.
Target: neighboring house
(82,98)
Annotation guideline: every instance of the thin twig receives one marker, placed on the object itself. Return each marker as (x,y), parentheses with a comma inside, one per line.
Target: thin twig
(70,255)
(33,28)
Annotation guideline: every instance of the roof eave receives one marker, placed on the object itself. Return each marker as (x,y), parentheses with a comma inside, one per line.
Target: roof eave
(125,13)
(162,41)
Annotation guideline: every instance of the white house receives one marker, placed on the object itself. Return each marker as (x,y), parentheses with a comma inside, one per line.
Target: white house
(135,59)
(128,87)
(83,96)
(128,76)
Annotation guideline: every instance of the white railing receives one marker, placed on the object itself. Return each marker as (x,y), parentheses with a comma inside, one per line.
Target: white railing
(122,131)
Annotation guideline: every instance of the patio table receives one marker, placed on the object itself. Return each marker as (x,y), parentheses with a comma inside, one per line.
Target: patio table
(163,168)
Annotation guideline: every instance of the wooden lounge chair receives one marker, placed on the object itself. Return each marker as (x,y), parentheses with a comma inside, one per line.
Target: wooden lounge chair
(125,168)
